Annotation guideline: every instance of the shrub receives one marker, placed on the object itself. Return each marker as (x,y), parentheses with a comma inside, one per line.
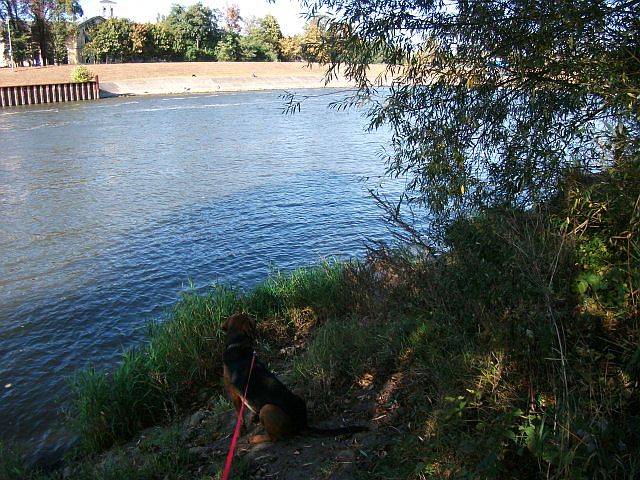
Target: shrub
(81,74)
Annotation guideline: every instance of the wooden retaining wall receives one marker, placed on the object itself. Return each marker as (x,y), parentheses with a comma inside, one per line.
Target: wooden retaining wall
(50,93)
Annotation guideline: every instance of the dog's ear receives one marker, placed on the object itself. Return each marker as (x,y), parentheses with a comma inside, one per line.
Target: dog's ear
(225,325)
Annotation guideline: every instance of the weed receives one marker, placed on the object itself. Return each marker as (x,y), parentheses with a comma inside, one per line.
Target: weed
(111,408)
(13,466)
(182,355)
(343,350)
(513,379)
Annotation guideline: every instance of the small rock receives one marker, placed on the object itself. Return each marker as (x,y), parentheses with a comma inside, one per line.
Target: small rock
(199,451)
(284,352)
(195,419)
(190,424)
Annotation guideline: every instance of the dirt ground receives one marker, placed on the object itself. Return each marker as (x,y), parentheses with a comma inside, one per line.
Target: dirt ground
(147,71)
(307,457)
(207,436)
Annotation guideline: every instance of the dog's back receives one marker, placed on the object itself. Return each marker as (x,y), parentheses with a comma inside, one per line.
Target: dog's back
(282,413)
(265,389)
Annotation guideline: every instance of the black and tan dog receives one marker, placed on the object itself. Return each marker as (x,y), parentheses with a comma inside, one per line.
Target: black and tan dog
(281,413)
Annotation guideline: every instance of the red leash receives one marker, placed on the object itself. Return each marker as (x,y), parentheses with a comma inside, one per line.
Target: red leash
(236,434)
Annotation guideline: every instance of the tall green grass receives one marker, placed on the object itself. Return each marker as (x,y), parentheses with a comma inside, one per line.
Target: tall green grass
(109,408)
(183,354)
(322,288)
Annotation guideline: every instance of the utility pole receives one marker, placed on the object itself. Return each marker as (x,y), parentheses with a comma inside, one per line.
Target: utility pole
(10,47)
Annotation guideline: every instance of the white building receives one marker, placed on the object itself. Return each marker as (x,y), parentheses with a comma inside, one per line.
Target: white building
(108,9)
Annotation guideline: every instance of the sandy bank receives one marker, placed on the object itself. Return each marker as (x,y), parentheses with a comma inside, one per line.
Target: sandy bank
(183,77)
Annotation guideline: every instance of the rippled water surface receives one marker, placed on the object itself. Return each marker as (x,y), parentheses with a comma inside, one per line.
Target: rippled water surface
(108,209)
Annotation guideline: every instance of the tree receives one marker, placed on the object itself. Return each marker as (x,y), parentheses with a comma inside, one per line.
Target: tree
(268,31)
(316,42)
(253,49)
(196,28)
(140,34)
(290,49)
(60,31)
(491,102)
(61,20)
(111,41)
(232,19)
(229,48)
(162,42)
(13,12)
(262,41)
(46,13)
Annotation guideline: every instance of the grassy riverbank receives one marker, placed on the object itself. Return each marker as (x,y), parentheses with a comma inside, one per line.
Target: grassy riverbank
(185,77)
(513,355)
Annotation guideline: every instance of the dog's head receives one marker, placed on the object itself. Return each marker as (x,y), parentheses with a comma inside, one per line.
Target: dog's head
(240,323)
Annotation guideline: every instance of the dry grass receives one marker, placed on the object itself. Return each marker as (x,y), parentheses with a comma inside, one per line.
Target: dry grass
(145,71)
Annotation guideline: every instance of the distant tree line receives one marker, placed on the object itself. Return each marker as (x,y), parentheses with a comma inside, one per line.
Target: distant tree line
(198,32)
(41,30)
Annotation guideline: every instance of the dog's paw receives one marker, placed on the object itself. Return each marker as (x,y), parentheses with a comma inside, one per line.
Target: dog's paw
(257,439)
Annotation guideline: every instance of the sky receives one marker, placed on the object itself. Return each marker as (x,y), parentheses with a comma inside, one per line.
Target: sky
(288,12)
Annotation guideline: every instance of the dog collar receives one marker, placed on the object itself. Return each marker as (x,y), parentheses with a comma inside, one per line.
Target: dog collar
(236,345)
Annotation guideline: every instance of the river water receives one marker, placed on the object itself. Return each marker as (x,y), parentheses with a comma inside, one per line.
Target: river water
(109,209)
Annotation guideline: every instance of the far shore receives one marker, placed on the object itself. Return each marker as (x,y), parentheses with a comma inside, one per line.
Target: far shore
(185,77)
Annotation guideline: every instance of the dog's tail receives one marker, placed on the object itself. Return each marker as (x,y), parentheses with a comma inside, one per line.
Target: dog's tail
(336,431)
